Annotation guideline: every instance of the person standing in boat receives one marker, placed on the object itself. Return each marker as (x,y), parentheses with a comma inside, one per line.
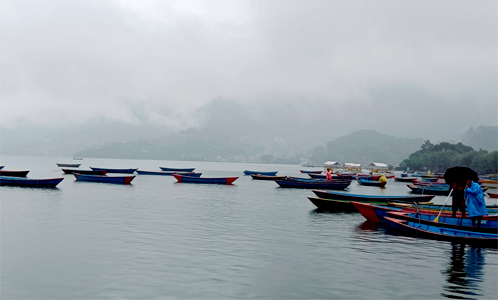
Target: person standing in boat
(329,174)
(458,199)
(475,202)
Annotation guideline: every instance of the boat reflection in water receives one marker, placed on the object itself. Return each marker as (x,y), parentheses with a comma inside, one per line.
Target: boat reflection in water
(464,273)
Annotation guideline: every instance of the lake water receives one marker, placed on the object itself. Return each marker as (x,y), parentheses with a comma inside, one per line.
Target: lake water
(158,239)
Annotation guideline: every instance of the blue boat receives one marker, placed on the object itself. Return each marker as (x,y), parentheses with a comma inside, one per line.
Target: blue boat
(29,182)
(89,172)
(416,229)
(363,181)
(104,178)
(301,183)
(267,173)
(429,190)
(168,173)
(489,224)
(9,173)
(122,171)
(177,169)
(212,180)
(372,198)
(334,205)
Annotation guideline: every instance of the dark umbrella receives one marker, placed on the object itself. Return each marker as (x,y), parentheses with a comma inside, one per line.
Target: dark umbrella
(460,174)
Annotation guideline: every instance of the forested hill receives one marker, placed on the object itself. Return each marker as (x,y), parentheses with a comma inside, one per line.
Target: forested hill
(365,147)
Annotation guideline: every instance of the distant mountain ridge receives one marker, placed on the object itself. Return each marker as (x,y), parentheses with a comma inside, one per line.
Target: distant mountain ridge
(365,147)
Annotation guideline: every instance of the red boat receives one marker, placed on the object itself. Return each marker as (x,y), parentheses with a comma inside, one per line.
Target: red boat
(493,195)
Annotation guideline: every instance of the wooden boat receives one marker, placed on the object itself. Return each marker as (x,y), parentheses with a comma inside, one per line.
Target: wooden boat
(493,195)
(363,181)
(13,173)
(167,173)
(104,178)
(334,205)
(376,213)
(123,171)
(88,172)
(405,179)
(368,177)
(334,176)
(372,198)
(311,172)
(491,209)
(68,165)
(443,190)
(1,167)
(177,169)
(489,224)
(268,173)
(30,182)
(266,177)
(417,229)
(292,182)
(430,183)
(77,158)
(212,180)
(429,190)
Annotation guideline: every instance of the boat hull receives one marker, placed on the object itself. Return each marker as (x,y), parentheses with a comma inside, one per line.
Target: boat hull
(29,182)
(272,173)
(313,184)
(168,173)
(334,205)
(371,198)
(104,178)
(13,173)
(177,169)
(87,172)
(68,165)
(371,182)
(122,171)
(207,180)
(266,177)
(441,233)
(489,224)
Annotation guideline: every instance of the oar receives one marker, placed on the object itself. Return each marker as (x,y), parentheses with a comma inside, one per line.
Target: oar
(437,218)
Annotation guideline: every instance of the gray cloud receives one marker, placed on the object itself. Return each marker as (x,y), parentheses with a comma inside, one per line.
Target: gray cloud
(364,63)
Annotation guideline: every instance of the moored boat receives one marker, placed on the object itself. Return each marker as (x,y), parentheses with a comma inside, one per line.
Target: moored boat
(429,190)
(1,167)
(417,229)
(68,165)
(334,205)
(268,173)
(493,195)
(313,184)
(212,180)
(334,176)
(167,173)
(13,173)
(122,171)
(104,178)
(88,172)
(372,198)
(405,179)
(489,224)
(30,182)
(311,171)
(363,181)
(266,177)
(177,169)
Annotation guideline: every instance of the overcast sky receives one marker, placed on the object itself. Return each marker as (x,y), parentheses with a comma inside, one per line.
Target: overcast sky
(426,61)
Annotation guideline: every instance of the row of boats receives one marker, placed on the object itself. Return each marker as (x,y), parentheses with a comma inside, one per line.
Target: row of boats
(414,215)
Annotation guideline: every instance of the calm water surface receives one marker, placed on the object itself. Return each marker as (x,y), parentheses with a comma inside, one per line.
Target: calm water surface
(158,239)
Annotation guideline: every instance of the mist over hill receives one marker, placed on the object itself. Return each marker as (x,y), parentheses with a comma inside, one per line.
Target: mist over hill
(278,132)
